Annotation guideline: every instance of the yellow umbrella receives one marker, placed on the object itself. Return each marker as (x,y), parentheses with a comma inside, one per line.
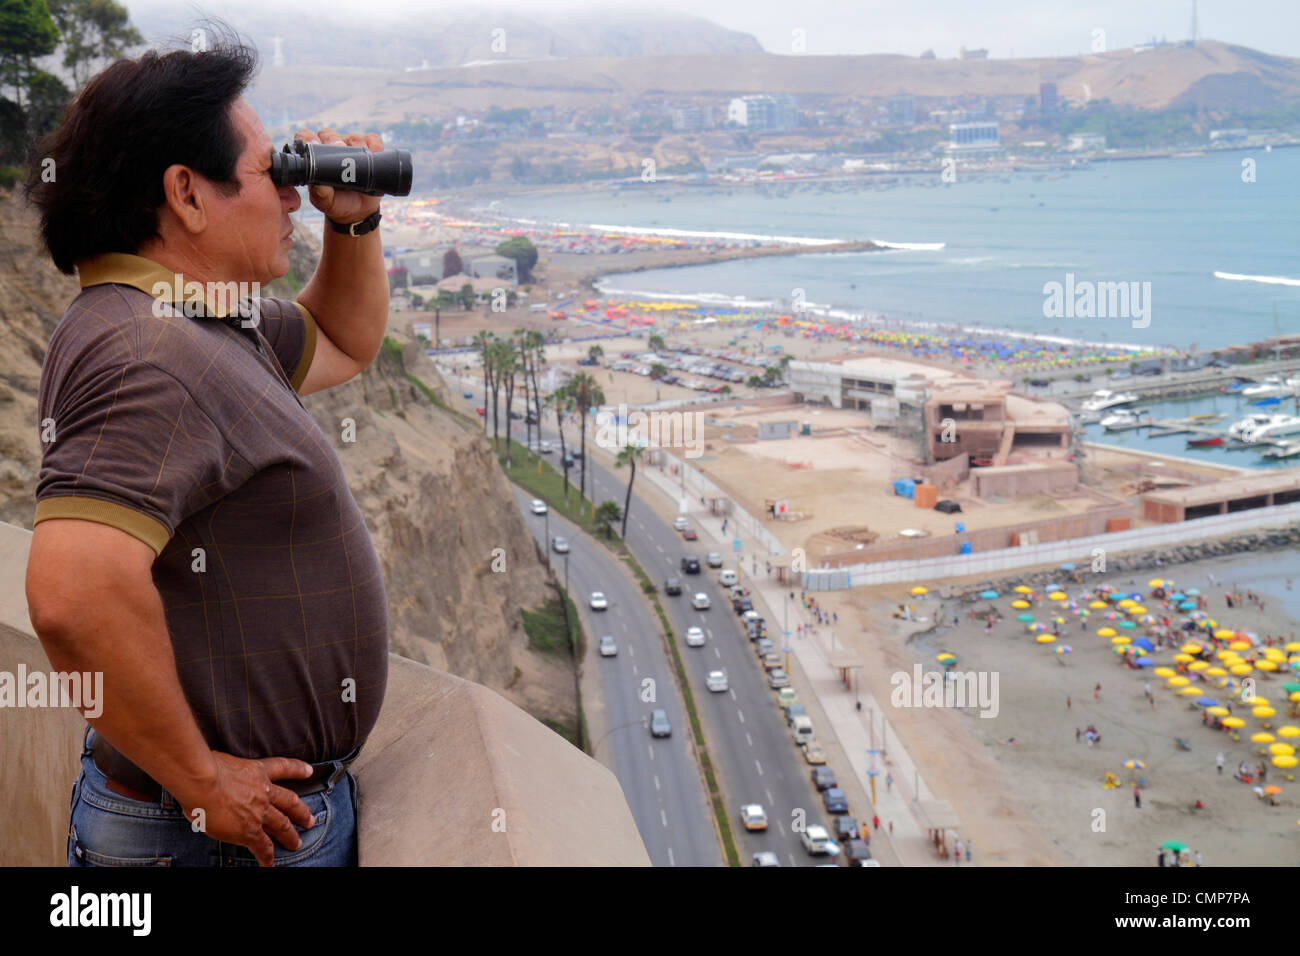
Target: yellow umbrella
(1121,639)
(1097,605)
(1156,583)
(1136,609)
(945,656)
(1184,658)
(1239,646)
(1226,654)
(1263,711)
(1191,692)
(1198,666)
(1281,749)
(1241,670)
(1273,654)
(1289,730)
(919,590)
(1218,710)
(1234,722)
(1295,695)
(1056,596)
(1263,737)
(1266,665)
(1023,589)
(1255,701)
(1293,646)
(1106,632)
(1224,634)
(1165,672)
(1020,605)
(1126,603)
(1285,760)
(1045,638)
(1191,647)
(1215,672)
(1178,681)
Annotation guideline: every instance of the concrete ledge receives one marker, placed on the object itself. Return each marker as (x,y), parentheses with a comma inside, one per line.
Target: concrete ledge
(453,774)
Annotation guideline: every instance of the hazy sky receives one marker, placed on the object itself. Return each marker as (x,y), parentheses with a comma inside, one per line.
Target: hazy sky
(1006,27)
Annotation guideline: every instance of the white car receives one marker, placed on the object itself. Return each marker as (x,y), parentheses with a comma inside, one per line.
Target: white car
(695,637)
(607,647)
(753,816)
(716,681)
(560,545)
(700,602)
(815,839)
(539,506)
(777,678)
(598,602)
(766,858)
(714,560)
(679,523)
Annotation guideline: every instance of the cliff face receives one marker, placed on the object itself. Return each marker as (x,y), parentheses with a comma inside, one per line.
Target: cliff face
(435,501)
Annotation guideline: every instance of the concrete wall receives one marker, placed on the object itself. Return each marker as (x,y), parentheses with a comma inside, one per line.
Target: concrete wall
(446,758)
(1018,480)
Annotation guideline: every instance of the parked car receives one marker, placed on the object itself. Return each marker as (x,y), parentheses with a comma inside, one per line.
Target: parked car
(823,778)
(845,828)
(771,661)
(763,647)
(659,725)
(815,839)
(690,564)
(714,560)
(700,602)
(727,578)
(466,394)
(695,637)
(856,853)
(777,677)
(480,411)
(607,647)
(516,415)
(672,586)
(689,534)
(794,710)
(753,816)
(716,681)
(742,604)
(598,601)
(813,754)
(786,696)
(679,523)
(538,506)
(834,800)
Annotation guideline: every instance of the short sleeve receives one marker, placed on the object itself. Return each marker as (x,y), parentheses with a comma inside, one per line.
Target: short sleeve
(126,445)
(290,330)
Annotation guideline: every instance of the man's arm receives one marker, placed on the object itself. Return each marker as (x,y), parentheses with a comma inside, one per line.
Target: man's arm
(348,295)
(94,607)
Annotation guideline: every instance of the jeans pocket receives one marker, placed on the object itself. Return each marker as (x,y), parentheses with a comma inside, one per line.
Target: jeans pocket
(81,855)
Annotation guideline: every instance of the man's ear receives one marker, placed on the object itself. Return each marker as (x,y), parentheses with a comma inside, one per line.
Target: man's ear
(181,192)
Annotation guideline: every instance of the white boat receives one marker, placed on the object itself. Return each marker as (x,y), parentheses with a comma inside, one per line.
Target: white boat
(1102,399)
(1271,387)
(1285,449)
(1124,418)
(1276,426)
(1242,426)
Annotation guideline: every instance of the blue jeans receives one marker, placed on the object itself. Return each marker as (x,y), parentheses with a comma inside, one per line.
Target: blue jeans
(106,828)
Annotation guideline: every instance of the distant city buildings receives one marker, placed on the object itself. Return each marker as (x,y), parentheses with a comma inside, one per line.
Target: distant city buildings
(1086,142)
(968,137)
(1047,100)
(902,109)
(763,112)
(965,54)
(690,119)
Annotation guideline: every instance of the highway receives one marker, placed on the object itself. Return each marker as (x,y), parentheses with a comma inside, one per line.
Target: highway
(659,777)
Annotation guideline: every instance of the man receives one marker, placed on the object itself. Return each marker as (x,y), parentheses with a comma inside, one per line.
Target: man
(195,541)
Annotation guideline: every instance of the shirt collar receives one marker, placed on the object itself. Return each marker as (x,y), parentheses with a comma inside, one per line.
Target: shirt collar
(150,277)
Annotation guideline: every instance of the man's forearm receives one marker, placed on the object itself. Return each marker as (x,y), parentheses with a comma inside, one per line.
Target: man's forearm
(348,295)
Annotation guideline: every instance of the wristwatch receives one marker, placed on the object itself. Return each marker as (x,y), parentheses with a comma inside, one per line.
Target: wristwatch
(369,224)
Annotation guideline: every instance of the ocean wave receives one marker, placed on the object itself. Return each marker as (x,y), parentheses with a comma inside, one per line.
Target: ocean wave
(911,246)
(1266,280)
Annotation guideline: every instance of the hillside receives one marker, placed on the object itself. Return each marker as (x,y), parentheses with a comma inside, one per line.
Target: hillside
(435,501)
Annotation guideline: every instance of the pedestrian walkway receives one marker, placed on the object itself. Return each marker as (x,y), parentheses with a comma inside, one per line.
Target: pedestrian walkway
(855,730)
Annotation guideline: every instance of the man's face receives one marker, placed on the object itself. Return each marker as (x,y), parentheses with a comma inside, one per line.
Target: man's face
(248,234)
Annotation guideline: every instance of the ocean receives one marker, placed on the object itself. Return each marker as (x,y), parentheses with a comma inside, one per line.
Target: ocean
(1218,253)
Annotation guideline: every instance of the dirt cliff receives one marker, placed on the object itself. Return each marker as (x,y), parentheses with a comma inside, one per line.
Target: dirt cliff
(435,501)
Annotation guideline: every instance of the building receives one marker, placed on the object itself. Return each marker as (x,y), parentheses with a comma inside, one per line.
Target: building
(902,109)
(1047,100)
(965,54)
(763,112)
(689,119)
(986,421)
(772,431)
(423,266)
(882,386)
(973,136)
(1086,142)
(493,267)
(1276,487)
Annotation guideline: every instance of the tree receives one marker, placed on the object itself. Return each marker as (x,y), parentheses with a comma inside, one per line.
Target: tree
(521,249)
(658,372)
(507,367)
(467,296)
(754,381)
(656,342)
(587,394)
(772,375)
(92,30)
(27,31)
(595,353)
(562,401)
(726,390)
(628,455)
(451,264)
(607,514)
(398,278)
(483,342)
(535,343)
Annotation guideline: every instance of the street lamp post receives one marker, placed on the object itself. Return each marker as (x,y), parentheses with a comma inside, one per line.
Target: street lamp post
(546,538)
(566,572)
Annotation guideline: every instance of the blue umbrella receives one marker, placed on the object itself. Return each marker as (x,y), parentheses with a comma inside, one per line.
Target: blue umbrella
(1206,702)
(1143,643)
(1193,592)
(1146,662)
(1135,596)
(1116,596)
(988,595)
(1067,566)
(1178,596)
(1187,606)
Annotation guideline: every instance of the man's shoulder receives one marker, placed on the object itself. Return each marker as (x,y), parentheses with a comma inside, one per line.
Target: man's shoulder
(110,326)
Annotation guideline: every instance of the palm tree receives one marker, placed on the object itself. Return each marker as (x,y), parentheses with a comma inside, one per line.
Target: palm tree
(771,374)
(595,353)
(481,342)
(726,390)
(535,342)
(754,381)
(656,342)
(658,372)
(507,368)
(562,401)
(607,513)
(628,455)
(587,394)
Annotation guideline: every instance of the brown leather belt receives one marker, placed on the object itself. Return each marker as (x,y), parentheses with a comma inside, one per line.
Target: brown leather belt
(126,778)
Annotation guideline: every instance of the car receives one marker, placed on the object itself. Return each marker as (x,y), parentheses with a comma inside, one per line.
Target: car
(771,661)
(659,725)
(823,778)
(765,858)
(856,853)
(751,616)
(672,586)
(813,754)
(689,534)
(598,601)
(753,816)
(794,710)
(716,681)
(695,637)
(546,448)
(755,629)
(679,523)
(713,560)
(845,828)
(1039,382)
(690,564)
(815,839)
(1218,363)
(742,604)
(577,453)
(480,411)
(834,800)
(607,647)
(538,506)
(700,602)
(466,394)
(786,696)
(727,578)
(763,647)
(568,460)
(530,418)
(559,545)
(516,415)
(777,677)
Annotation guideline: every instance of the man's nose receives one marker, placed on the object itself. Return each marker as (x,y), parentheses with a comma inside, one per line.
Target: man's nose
(289,196)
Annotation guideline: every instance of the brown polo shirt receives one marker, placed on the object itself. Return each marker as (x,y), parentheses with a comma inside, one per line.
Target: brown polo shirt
(181,433)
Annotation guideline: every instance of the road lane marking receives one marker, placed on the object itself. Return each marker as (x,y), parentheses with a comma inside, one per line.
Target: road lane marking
(749,738)
(779,825)
(741,714)
(717,653)
(760,767)
(733,693)
(663,816)
(634,672)
(671,861)
(657,787)
(768,793)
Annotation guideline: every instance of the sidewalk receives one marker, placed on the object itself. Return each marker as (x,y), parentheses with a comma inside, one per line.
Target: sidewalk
(849,726)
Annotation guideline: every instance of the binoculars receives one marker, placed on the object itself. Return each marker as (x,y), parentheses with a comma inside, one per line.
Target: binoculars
(344,167)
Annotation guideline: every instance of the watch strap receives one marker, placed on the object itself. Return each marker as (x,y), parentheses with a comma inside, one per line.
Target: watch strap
(369,224)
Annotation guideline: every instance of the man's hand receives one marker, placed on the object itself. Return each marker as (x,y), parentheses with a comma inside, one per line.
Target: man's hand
(342,205)
(241,805)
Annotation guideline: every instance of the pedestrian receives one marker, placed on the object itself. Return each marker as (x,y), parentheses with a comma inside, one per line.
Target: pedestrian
(970,856)
(1161,857)
(863,831)
(891,827)
(1198,857)
(1077,734)
(1218,762)
(956,852)
(1137,797)
(889,783)
(1068,704)
(1096,692)
(875,821)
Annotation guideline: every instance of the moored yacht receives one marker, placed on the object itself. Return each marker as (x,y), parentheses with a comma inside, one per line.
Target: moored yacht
(1102,399)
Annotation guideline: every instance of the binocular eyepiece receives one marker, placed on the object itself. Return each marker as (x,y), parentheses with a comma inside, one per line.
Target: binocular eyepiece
(343,167)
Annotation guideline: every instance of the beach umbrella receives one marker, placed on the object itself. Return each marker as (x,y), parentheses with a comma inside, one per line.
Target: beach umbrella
(1285,761)
(1025,618)
(1134,765)
(988,595)
(1223,634)
(1189,691)
(1187,606)
(1215,672)
(1114,597)
(1262,712)
(1239,646)
(1273,654)
(1020,605)
(1217,710)
(1198,665)
(1045,638)
(1288,730)
(1178,681)
(1056,596)
(1121,639)
(1058,620)
(1292,646)
(1173,845)
(1136,609)
(1191,647)
(1156,583)
(1146,662)
(945,656)
(1266,665)
(1263,737)
(1193,592)
(1255,701)
(1273,788)
(1291,687)
(1064,649)
(1130,625)
(1294,695)
(1224,654)
(1143,643)
(1165,672)
(1183,658)
(1233,722)
(1125,603)
(1178,596)
(919,590)
(1106,632)
(1023,589)
(1097,605)
(1280,749)
(1241,670)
